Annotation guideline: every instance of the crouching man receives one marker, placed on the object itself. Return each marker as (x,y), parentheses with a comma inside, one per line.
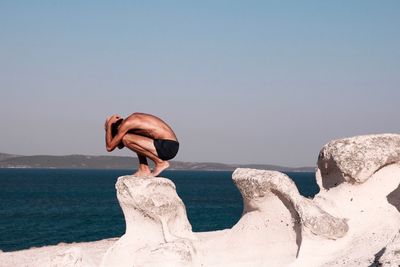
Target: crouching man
(147,135)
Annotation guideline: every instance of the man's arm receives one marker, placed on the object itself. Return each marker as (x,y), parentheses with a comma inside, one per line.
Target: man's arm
(112,142)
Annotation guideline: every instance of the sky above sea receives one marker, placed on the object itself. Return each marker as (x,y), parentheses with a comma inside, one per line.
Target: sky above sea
(238,81)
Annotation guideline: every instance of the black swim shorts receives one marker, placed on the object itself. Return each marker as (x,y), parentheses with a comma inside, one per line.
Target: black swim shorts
(166,149)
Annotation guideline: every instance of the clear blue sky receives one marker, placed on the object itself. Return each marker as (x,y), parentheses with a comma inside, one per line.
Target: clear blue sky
(239,81)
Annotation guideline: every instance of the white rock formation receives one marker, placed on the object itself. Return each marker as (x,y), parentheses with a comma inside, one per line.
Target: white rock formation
(257,185)
(273,224)
(353,221)
(373,221)
(355,159)
(358,204)
(157,228)
(359,179)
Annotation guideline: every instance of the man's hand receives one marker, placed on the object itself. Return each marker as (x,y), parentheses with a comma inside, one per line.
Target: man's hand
(110,120)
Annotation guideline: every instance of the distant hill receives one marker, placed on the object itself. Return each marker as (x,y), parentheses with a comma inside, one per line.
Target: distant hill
(4,156)
(117,162)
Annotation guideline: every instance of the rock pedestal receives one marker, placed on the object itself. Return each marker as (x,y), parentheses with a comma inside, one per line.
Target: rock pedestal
(157,228)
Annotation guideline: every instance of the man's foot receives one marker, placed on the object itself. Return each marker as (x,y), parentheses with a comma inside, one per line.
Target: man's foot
(160,167)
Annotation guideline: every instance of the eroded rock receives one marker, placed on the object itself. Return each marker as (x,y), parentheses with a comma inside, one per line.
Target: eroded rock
(156,224)
(355,159)
(254,185)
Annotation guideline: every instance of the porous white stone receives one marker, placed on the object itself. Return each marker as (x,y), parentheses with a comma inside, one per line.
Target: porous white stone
(254,185)
(355,159)
(156,225)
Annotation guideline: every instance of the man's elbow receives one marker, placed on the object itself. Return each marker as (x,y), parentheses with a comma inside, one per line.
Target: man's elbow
(109,148)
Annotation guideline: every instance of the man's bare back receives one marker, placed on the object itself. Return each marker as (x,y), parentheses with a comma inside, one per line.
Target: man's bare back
(148,125)
(145,134)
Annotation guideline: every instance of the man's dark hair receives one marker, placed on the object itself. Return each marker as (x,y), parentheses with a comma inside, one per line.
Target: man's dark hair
(114,127)
(114,131)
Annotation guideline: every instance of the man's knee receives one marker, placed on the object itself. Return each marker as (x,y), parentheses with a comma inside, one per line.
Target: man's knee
(125,140)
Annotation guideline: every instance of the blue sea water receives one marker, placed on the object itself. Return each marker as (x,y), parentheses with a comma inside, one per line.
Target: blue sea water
(47,206)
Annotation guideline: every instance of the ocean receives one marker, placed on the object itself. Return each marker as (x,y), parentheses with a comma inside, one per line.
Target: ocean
(41,207)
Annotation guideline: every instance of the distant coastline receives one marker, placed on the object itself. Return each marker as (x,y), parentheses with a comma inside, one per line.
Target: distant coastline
(119,162)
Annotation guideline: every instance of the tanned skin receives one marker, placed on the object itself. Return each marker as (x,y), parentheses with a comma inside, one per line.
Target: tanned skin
(137,132)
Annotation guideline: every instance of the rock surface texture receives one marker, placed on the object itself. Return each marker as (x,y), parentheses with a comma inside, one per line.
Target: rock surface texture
(255,185)
(355,159)
(353,221)
(157,228)
(391,253)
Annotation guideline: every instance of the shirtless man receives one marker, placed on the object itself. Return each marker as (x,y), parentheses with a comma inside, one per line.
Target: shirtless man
(147,135)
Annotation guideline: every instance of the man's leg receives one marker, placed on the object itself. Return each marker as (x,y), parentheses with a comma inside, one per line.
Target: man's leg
(145,147)
(143,169)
